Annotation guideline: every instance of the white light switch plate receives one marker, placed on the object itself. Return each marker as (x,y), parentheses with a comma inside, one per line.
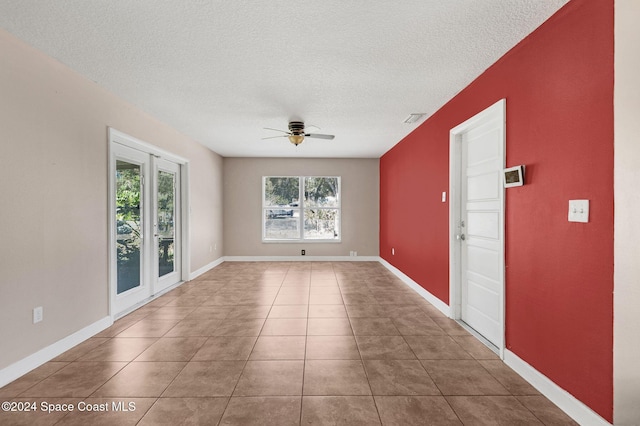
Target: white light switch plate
(579,211)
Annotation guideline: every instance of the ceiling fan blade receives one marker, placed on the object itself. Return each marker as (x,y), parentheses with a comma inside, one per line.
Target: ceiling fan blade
(319,136)
(279,136)
(276,130)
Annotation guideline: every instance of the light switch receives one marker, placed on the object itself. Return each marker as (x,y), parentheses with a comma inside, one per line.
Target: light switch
(579,211)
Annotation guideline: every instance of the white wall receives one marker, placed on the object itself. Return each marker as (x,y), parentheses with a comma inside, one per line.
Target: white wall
(626,348)
(53,196)
(243,205)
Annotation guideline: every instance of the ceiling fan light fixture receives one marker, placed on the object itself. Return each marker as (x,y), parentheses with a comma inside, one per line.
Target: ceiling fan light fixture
(413,117)
(296,139)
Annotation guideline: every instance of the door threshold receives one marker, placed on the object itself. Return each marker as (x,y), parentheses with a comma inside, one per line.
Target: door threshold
(479,336)
(144,302)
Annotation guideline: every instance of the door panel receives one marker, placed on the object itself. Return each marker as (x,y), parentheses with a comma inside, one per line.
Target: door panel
(167,224)
(481,222)
(131,209)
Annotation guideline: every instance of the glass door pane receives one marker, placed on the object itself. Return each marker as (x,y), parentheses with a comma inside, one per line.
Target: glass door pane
(166,222)
(128,225)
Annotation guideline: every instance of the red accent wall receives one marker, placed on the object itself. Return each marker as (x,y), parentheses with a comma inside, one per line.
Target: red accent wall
(558,83)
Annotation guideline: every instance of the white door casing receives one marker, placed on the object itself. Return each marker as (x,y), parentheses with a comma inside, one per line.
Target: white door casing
(477,160)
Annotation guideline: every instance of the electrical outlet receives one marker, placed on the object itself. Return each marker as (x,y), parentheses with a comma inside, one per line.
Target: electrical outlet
(37,314)
(302,252)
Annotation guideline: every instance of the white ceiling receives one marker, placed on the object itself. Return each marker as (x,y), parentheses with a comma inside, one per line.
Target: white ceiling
(221,71)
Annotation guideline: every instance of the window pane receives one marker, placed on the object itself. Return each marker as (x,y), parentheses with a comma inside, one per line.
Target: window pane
(281,191)
(128,225)
(281,224)
(321,191)
(321,224)
(166,216)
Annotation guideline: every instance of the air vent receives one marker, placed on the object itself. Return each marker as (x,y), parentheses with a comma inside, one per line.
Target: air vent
(412,118)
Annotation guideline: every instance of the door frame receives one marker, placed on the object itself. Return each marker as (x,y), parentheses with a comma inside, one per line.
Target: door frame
(496,110)
(118,137)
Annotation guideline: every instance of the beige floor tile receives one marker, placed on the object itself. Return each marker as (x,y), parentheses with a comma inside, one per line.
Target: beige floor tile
(78,379)
(546,411)
(284,327)
(327,311)
(185,411)
(194,328)
(172,349)
(415,411)
(30,379)
(436,347)
(229,348)
(279,348)
(335,377)
(339,411)
(239,327)
(262,411)
(417,325)
(492,410)
(332,347)
(281,378)
(384,347)
(249,312)
(119,349)
(141,379)
(289,311)
(508,378)
(374,327)
(329,327)
(81,349)
(399,377)
(206,379)
(462,377)
(149,327)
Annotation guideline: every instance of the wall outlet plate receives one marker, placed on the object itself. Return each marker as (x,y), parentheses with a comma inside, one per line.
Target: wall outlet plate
(37,314)
(579,211)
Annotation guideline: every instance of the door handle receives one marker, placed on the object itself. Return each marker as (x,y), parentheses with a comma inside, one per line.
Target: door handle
(461,237)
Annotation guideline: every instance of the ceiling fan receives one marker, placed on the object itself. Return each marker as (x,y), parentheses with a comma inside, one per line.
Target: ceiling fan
(296,133)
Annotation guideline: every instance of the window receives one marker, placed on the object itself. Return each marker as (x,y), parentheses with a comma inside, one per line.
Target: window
(305,208)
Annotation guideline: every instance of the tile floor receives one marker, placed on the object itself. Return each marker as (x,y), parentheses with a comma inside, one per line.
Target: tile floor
(298,343)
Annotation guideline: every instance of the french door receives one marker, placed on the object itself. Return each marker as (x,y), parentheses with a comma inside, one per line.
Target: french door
(146,225)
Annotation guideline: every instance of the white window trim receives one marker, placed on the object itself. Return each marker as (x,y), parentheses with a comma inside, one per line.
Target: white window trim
(301,207)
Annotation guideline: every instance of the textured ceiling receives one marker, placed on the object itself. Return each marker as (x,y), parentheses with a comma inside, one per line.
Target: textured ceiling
(221,71)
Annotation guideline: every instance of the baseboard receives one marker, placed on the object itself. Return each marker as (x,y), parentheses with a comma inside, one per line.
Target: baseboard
(205,268)
(22,367)
(301,258)
(439,304)
(563,399)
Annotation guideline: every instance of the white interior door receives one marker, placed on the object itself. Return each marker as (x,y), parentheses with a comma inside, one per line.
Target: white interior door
(479,222)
